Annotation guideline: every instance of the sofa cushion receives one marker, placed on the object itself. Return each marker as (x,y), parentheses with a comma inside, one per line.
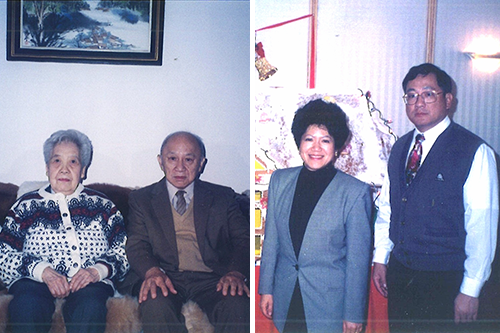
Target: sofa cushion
(8,193)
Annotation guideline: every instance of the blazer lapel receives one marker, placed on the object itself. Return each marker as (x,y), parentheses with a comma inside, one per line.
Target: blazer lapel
(288,192)
(203,200)
(163,211)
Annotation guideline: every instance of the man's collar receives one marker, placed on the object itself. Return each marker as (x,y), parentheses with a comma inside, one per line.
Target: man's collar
(172,190)
(433,133)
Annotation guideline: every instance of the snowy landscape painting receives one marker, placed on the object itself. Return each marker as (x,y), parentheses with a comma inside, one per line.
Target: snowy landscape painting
(86,30)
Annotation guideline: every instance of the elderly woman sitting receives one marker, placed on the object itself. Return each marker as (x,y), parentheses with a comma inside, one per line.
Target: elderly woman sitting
(62,241)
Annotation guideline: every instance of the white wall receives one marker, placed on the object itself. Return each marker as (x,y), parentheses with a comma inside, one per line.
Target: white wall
(478,93)
(372,44)
(203,86)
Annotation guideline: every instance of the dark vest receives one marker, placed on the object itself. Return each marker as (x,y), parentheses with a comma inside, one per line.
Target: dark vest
(427,217)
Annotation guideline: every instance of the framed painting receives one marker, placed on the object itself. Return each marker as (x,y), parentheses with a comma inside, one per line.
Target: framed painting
(86,31)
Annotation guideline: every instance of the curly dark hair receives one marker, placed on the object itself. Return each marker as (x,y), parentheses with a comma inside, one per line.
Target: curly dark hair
(321,113)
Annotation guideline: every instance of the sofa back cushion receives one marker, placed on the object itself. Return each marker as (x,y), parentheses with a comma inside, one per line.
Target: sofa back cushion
(8,193)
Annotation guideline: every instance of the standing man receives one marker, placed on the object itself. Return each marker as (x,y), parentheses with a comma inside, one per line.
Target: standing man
(188,240)
(438,214)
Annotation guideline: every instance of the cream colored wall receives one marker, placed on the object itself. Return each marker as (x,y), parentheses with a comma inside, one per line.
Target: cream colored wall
(372,44)
(203,86)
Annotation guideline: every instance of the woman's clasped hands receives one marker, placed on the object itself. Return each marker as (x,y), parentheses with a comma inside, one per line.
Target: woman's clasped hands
(60,287)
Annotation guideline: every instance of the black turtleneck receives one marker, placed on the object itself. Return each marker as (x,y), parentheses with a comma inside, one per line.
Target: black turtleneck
(310,187)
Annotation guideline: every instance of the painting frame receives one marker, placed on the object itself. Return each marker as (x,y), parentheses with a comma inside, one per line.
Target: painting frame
(40,54)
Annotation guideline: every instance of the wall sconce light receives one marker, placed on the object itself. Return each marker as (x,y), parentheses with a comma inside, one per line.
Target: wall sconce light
(484,53)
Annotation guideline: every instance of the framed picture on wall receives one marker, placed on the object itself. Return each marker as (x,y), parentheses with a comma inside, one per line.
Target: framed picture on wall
(86,31)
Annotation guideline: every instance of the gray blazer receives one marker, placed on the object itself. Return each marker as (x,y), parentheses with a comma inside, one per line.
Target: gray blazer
(334,260)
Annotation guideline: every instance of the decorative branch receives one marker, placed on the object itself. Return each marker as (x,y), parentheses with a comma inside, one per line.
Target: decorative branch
(266,154)
(373,109)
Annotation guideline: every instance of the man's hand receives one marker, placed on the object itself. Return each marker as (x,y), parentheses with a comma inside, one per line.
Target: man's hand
(379,278)
(466,308)
(233,282)
(83,277)
(58,284)
(266,305)
(350,327)
(155,278)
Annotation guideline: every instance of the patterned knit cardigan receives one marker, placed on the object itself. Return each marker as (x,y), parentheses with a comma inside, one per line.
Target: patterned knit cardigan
(81,230)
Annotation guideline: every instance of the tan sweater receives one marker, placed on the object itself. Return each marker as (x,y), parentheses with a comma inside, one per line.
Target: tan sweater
(187,244)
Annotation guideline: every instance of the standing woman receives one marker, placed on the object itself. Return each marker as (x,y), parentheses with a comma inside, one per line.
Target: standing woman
(316,255)
(62,241)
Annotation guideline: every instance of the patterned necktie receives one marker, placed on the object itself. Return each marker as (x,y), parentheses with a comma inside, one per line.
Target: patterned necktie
(414,159)
(180,206)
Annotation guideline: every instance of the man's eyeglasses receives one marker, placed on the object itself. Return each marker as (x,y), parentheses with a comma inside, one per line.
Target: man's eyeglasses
(429,96)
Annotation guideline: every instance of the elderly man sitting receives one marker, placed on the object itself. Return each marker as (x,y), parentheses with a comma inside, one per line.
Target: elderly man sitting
(188,240)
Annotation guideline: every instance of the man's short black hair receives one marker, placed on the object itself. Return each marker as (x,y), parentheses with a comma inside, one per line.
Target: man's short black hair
(443,79)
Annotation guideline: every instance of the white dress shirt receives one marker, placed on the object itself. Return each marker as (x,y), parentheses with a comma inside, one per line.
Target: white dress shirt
(172,190)
(480,193)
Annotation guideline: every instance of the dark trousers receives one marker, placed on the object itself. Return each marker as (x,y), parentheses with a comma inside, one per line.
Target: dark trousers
(32,307)
(422,301)
(229,314)
(296,317)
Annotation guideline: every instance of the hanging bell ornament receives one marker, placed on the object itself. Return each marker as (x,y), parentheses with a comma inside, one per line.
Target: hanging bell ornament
(264,68)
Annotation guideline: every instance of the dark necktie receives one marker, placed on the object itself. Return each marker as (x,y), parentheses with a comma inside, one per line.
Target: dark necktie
(180,206)
(414,159)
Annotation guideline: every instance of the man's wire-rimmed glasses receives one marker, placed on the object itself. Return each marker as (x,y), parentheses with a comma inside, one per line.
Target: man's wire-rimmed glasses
(429,96)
